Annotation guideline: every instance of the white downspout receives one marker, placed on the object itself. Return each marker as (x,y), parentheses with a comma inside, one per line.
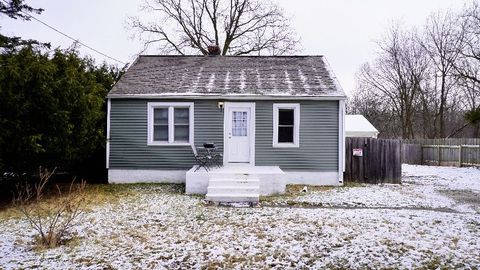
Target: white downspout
(341,140)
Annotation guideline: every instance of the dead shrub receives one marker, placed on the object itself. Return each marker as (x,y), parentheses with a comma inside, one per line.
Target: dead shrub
(51,218)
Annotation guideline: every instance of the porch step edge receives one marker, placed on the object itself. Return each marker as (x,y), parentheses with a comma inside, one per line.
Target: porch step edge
(235,180)
(218,197)
(233,190)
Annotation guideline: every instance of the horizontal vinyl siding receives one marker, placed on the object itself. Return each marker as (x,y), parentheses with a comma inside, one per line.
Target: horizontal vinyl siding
(208,124)
(318,149)
(128,136)
(318,137)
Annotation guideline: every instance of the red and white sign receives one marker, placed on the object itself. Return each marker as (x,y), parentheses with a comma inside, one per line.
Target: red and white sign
(357,152)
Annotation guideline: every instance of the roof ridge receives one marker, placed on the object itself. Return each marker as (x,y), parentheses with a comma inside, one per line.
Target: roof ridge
(231,56)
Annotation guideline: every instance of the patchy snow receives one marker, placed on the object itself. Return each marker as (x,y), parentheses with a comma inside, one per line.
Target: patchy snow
(273,82)
(288,82)
(259,79)
(304,79)
(197,80)
(227,81)
(211,82)
(444,177)
(318,78)
(378,196)
(421,188)
(242,80)
(158,227)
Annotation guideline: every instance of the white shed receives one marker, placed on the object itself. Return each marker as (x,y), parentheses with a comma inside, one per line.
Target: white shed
(356,125)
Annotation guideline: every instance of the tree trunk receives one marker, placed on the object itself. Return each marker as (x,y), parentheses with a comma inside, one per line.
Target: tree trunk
(441,112)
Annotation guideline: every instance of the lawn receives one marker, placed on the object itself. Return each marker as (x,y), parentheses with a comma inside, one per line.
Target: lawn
(430,221)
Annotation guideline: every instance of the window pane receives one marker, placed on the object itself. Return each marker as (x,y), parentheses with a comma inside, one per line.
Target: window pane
(285,134)
(239,124)
(160,116)
(160,133)
(181,115)
(285,116)
(181,133)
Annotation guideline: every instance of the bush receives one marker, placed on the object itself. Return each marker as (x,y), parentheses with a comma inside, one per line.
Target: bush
(52,221)
(52,109)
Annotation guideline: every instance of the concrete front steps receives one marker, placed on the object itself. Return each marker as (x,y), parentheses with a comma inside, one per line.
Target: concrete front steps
(235,183)
(233,189)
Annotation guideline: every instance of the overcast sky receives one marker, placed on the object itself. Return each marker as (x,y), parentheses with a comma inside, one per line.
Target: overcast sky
(343,30)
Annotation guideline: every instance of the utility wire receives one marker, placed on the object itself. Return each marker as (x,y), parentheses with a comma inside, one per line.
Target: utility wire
(70,37)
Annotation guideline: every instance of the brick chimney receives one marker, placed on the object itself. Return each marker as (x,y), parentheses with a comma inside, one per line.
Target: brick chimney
(213,50)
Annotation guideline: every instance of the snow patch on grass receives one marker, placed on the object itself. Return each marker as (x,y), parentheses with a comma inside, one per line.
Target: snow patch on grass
(158,227)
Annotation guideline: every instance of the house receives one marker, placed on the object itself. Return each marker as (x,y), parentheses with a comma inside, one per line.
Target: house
(276,120)
(357,125)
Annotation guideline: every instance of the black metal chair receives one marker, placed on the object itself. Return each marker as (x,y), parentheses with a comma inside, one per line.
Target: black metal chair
(207,156)
(202,159)
(217,158)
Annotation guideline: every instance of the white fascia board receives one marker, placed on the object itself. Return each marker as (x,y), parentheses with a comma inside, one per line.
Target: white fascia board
(226,97)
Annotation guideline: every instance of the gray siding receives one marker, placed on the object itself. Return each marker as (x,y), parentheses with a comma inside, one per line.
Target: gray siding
(318,149)
(128,136)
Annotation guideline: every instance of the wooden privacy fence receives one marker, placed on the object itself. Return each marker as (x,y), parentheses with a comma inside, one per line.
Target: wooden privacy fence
(373,161)
(441,155)
(444,141)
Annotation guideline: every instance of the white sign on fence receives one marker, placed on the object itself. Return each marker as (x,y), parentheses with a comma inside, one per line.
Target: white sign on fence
(357,152)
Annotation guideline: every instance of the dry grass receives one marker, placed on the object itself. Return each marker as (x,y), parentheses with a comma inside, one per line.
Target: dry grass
(98,194)
(107,193)
(293,191)
(94,195)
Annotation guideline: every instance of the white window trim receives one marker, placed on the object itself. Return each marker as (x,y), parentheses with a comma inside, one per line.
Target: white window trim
(170,105)
(296,124)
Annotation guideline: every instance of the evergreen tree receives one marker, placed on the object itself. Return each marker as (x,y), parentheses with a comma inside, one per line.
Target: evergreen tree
(52,108)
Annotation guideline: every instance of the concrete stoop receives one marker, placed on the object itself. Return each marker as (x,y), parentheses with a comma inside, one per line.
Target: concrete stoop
(233,188)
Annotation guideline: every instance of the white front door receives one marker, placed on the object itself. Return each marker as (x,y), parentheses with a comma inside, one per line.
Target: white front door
(239,132)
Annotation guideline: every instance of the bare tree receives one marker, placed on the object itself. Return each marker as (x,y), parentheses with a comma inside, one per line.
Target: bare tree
(238,27)
(429,83)
(443,42)
(376,109)
(469,60)
(397,75)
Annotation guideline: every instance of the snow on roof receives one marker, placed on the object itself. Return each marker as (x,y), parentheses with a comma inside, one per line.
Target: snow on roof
(358,123)
(300,76)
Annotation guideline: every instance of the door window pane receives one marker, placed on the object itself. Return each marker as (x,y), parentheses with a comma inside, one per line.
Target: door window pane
(239,124)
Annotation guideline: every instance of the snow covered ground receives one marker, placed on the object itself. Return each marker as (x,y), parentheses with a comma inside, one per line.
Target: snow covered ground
(422,187)
(423,223)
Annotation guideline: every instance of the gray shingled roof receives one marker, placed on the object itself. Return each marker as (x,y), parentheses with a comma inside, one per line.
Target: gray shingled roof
(300,76)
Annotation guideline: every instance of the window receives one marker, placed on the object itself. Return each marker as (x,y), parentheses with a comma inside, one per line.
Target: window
(170,123)
(239,124)
(286,125)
